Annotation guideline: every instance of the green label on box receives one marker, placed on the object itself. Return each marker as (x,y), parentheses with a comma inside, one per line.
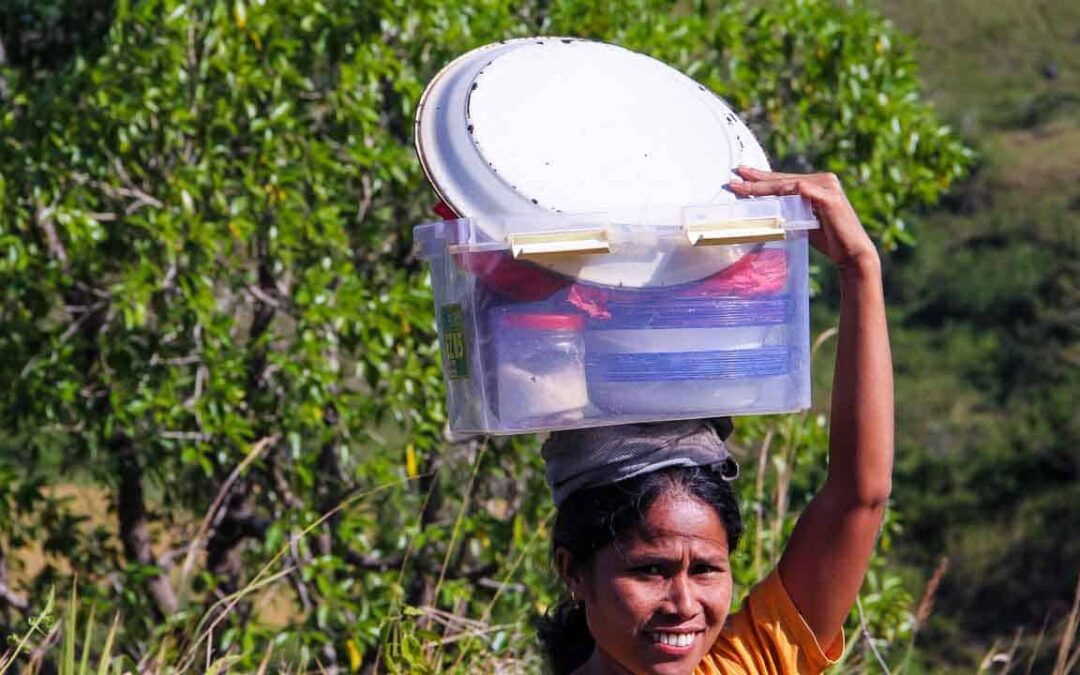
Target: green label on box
(453,342)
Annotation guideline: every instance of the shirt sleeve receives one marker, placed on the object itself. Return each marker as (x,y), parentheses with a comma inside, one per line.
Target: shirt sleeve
(768,636)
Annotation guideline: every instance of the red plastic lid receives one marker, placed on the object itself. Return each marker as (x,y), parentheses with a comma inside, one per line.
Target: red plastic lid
(543,321)
(443,210)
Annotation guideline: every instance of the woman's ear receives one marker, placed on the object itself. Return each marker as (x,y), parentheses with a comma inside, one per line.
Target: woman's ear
(568,572)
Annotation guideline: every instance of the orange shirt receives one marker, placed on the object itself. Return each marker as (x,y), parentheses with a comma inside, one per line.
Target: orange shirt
(768,636)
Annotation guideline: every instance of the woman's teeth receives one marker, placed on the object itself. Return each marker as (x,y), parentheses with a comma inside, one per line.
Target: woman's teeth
(675,639)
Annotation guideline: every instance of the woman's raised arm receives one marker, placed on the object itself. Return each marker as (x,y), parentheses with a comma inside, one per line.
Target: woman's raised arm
(824,563)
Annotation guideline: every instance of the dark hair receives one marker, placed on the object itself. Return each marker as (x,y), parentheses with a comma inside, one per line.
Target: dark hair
(593,518)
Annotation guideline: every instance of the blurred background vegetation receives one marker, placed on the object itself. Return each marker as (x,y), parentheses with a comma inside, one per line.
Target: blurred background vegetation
(221,405)
(986,326)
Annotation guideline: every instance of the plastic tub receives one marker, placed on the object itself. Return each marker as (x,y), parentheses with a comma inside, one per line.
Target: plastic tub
(733,342)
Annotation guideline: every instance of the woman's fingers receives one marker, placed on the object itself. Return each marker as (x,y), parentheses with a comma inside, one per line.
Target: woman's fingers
(750,173)
(794,185)
(763,188)
(825,180)
(822,189)
(819,239)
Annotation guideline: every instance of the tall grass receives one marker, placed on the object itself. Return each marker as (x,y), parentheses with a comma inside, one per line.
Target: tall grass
(414,639)
(429,639)
(414,642)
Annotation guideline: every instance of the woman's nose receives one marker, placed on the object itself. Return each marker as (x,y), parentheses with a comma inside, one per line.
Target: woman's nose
(681,596)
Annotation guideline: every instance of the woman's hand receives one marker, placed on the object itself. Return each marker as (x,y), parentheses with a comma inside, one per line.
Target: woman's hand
(841,236)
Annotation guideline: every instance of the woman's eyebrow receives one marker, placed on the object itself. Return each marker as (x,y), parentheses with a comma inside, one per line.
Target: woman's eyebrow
(661,556)
(656,535)
(650,556)
(714,560)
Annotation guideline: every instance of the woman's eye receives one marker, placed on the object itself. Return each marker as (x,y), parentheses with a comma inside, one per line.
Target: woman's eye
(649,570)
(706,570)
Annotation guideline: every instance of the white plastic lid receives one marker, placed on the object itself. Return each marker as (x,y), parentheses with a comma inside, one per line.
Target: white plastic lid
(553,125)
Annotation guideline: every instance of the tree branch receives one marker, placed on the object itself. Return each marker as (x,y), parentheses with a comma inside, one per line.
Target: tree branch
(371,563)
(43,217)
(215,506)
(328,488)
(138,198)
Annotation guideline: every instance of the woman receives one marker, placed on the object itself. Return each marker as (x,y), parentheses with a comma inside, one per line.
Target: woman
(647,519)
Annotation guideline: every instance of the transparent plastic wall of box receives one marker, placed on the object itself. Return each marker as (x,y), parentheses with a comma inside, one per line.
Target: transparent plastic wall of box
(660,355)
(460,336)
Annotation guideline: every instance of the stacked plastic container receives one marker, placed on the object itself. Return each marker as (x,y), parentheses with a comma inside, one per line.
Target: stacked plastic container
(528,349)
(550,319)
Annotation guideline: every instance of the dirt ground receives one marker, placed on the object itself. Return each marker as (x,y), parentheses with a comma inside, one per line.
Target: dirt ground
(275,606)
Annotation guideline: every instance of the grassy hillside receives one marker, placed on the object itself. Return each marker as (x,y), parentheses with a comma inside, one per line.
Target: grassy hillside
(986,314)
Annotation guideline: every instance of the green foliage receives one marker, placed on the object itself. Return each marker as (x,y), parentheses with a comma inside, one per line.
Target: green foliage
(211,309)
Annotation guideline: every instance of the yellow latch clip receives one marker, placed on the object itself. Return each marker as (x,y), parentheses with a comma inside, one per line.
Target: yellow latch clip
(564,242)
(736,231)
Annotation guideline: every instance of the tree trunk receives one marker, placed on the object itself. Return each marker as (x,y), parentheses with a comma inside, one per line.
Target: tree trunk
(237,520)
(134,532)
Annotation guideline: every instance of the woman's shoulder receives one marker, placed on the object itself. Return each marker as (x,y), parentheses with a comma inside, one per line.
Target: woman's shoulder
(769,636)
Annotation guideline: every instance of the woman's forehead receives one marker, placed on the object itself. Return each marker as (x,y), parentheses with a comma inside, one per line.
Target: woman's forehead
(677,521)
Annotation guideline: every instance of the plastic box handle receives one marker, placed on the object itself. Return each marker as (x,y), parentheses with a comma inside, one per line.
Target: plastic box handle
(525,245)
(746,231)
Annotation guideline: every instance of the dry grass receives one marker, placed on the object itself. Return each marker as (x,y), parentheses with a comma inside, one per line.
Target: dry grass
(1067,657)
(1046,158)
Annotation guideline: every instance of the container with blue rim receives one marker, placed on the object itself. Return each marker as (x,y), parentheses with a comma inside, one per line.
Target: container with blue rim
(698,355)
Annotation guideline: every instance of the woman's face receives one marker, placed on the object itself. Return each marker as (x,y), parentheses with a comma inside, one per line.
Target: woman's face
(657,600)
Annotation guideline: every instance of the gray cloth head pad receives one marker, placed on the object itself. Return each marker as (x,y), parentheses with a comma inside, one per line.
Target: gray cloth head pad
(585,458)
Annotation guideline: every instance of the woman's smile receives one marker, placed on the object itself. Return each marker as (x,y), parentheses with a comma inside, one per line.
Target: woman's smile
(674,643)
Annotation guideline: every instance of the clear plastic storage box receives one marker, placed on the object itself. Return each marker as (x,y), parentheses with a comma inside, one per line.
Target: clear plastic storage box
(568,321)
